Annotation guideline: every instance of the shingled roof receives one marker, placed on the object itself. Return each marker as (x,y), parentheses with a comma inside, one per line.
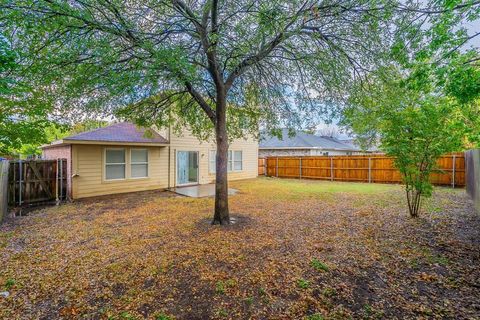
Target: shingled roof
(119,132)
(303,140)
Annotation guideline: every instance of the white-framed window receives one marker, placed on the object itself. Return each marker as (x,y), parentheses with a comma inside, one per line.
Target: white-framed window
(115,164)
(230,160)
(235,160)
(211,161)
(138,163)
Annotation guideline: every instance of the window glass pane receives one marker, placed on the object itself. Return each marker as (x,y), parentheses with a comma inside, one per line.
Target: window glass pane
(139,170)
(230,160)
(238,165)
(115,156)
(139,155)
(115,171)
(192,166)
(211,161)
(238,155)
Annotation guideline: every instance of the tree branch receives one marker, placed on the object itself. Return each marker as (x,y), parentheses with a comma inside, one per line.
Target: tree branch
(201,102)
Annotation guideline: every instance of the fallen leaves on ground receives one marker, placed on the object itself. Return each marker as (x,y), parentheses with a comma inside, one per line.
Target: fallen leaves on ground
(300,250)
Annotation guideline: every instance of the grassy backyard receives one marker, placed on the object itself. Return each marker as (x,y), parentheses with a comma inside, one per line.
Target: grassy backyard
(301,250)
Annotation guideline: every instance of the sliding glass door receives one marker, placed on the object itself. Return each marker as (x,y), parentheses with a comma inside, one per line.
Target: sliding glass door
(187,167)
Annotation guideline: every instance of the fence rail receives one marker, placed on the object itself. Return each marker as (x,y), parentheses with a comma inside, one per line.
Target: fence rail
(36,181)
(369,168)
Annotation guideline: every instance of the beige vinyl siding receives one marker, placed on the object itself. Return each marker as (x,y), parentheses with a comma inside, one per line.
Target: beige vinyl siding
(187,142)
(89,167)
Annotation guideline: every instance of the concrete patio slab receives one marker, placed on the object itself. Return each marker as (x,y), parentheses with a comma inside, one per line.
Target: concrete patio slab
(200,191)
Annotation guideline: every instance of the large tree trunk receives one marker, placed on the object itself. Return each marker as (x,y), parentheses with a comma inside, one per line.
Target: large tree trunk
(221,215)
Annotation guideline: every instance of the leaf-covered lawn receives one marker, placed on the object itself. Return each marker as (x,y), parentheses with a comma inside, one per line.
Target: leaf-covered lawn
(301,249)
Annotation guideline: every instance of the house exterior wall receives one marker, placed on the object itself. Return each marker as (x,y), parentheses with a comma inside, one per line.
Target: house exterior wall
(187,142)
(61,152)
(88,167)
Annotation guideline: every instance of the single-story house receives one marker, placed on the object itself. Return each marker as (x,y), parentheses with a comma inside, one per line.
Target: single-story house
(125,158)
(303,144)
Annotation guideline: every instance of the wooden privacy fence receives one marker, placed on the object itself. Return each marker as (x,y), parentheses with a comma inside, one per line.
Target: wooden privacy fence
(366,168)
(36,181)
(261,166)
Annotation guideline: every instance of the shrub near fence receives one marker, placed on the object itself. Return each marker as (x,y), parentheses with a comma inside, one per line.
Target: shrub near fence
(368,168)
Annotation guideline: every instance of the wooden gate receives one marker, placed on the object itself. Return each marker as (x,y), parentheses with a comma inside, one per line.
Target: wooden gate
(34,182)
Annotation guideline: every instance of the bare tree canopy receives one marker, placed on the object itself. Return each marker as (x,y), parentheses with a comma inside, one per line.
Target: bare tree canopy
(220,68)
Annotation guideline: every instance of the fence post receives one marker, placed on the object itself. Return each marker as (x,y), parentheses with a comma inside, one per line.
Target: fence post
(56,184)
(453,170)
(265,166)
(369,170)
(300,168)
(61,179)
(331,168)
(20,174)
(3,189)
(276,169)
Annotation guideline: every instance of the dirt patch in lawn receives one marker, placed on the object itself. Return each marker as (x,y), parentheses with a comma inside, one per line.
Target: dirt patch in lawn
(300,249)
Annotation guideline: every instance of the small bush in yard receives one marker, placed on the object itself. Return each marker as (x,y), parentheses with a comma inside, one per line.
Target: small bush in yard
(302,283)
(9,284)
(127,316)
(329,292)
(162,316)
(262,292)
(316,316)
(318,265)
(222,313)
(219,287)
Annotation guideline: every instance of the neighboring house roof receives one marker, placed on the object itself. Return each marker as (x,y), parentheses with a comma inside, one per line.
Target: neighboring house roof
(122,133)
(302,140)
(353,143)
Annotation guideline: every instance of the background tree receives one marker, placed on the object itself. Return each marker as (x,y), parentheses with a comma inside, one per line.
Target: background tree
(220,67)
(425,102)
(20,123)
(415,123)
